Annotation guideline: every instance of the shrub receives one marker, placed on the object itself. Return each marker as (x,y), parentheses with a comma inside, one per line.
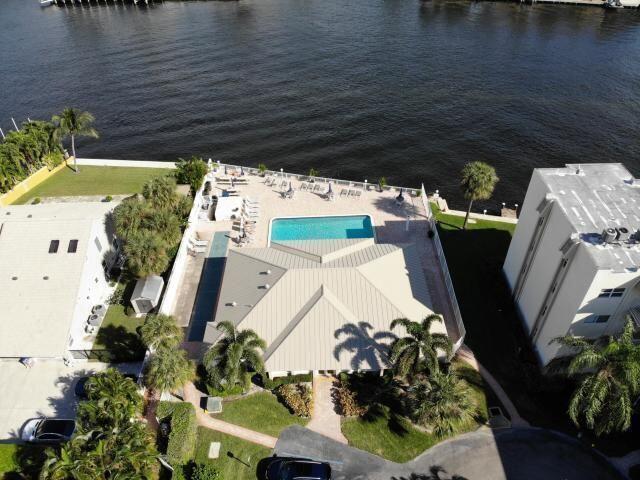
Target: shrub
(262,168)
(204,471)
(117,297)
(191,172)
(182,439)
(273,383)
(36,201)
(313,172)
(233,390)
(178,473)
(108,198)
(165,409)
(297,398)
(348,402)
(382,182)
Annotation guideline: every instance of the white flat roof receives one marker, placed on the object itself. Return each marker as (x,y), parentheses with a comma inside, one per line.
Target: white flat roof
(38,289)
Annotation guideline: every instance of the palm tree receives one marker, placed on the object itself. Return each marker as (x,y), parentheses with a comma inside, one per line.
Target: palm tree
(478,182)
(443,402)
(418,353)
(113,401)
(161,331)
(160,191)
(128,216)
(608,370)
(146,254)
(74,122)
(168,369)
(231,360)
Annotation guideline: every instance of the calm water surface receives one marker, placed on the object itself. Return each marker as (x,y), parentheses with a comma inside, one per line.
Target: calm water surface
(354,88)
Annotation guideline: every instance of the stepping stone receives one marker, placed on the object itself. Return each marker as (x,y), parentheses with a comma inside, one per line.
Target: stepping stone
(214,450)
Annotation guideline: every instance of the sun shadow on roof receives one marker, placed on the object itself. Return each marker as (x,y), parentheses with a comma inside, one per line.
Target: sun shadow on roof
(367,350)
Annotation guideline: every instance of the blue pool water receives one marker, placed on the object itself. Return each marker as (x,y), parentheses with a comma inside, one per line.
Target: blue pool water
(321,228)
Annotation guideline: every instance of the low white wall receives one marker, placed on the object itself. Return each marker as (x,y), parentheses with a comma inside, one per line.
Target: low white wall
(102,162)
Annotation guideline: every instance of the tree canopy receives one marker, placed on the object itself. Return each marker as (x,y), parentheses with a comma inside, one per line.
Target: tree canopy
(477,183)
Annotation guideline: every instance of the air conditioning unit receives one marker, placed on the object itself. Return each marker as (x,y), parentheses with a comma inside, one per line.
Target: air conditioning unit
(99,310)
(90,329)
(94,320)
(623,234)
(609,235)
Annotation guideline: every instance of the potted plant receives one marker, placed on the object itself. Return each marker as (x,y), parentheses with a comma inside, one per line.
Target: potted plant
(382,182)
(262,169)
(312,173)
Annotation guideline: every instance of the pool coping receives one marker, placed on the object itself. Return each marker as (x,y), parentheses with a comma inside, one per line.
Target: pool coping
(373,225)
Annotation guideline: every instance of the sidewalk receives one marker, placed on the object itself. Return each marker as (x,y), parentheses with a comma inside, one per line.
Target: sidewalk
(467,356)
(192,395)
(324,419)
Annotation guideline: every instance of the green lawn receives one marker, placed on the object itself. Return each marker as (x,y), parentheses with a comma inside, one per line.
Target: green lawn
(261,412)
(393,437)
(7,458)
(232,466)
(19,461)
(93,181)
(117,339)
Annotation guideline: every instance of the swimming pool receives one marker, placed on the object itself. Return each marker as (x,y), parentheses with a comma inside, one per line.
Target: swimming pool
(321,228)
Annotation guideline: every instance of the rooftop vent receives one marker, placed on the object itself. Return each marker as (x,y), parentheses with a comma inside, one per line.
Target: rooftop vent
(609,235)
(623,234)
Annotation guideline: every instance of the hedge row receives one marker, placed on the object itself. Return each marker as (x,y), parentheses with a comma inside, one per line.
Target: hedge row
(184,430)
(272,384)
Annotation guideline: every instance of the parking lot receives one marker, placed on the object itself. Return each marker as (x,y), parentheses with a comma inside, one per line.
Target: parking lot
(45,389)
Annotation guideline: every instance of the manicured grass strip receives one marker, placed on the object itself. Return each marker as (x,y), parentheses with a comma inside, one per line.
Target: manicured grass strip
(232,466)
(261,412)
(94,181)
(392,438)
(117,339)
(7,458)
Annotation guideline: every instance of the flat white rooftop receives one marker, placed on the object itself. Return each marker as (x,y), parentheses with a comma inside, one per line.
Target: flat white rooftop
(596,196)
(38,289)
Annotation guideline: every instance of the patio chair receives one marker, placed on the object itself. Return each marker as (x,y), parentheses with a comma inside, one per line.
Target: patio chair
(250,201)
(357,194)
(303,186)
(344,192)
(317,188)
(198,243)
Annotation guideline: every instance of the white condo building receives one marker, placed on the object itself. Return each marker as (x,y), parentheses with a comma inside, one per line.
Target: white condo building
(573,262)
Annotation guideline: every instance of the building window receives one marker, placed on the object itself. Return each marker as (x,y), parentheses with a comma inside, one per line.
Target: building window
(98,244)
(611,292)
(53,246)
(73,246)
(597,319)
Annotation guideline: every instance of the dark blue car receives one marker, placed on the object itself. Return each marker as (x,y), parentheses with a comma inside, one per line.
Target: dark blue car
(298,469)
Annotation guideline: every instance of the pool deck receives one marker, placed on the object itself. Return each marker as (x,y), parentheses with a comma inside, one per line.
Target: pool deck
(389,219)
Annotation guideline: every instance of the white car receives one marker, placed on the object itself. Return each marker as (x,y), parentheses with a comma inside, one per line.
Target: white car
(48,430)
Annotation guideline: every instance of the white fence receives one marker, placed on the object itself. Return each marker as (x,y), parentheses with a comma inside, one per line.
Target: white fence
(229,168)
(445,270)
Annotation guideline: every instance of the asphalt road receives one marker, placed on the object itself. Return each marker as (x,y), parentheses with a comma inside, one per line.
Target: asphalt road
(513,454)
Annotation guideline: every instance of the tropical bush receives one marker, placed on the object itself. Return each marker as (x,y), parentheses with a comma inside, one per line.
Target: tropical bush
(205,471)
(191,172)
(184,430)
(161,330)
(273,383)
(442,403)
(168,369)
(297,398)
(348,402)
(22,153)
(262,168)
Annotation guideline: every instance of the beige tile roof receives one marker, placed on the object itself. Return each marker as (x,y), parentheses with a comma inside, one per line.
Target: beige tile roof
(315,315)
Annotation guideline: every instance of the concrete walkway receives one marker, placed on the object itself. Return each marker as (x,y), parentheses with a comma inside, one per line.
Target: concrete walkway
(324,419)
(467,356)
(193,396)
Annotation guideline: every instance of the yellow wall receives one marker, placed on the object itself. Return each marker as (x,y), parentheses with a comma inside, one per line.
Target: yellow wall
(28,183)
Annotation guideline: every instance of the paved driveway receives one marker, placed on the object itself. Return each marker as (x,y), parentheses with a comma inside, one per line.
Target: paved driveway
(44,389)
(514,454)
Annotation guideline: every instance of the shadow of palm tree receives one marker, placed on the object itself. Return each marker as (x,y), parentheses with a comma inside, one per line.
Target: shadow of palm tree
(436,472)
(368,351)
(120,345)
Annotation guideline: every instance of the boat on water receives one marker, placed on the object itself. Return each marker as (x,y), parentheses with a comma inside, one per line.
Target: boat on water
(46,3)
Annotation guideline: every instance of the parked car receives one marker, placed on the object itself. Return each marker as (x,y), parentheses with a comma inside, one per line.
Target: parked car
(297,468)
(48,430)
(81,385)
